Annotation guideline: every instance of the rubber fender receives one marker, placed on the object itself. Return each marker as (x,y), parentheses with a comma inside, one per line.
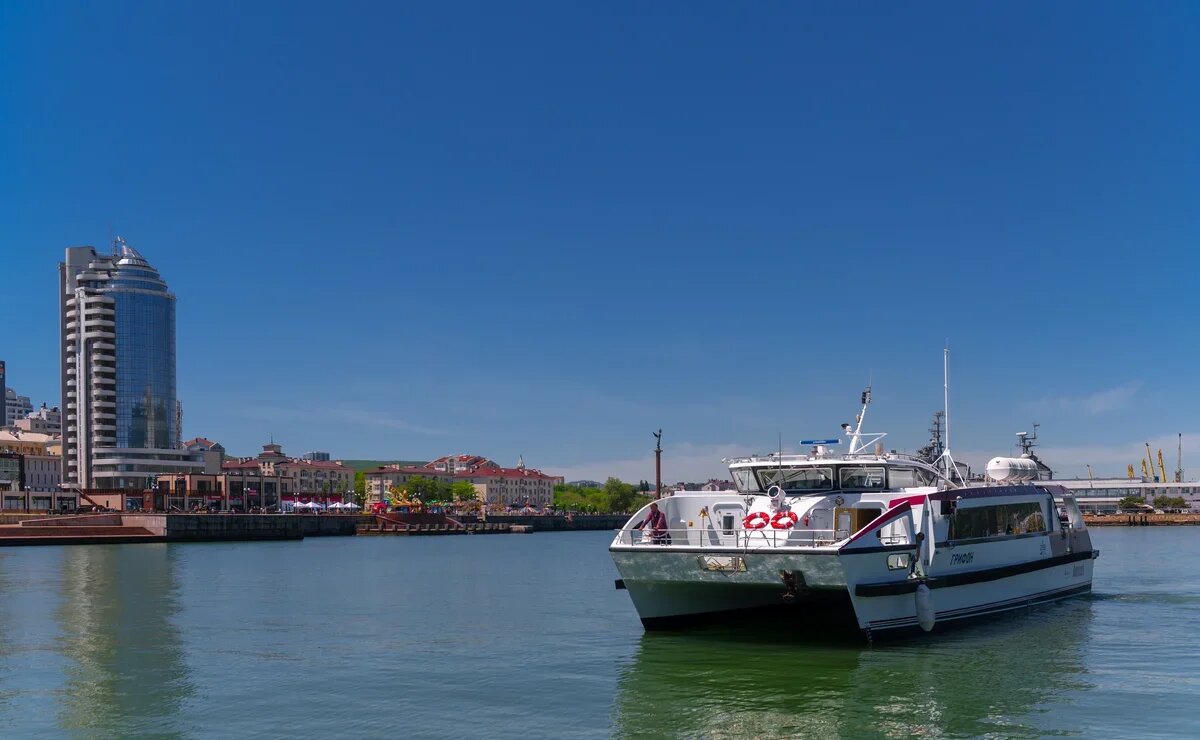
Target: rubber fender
(925,613)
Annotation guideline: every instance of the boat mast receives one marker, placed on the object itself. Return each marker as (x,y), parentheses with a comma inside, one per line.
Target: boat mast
(947,458)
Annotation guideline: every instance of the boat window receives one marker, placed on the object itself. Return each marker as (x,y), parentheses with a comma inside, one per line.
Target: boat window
(797,480)
(898,561)
(900,477)
(997,521)
(745,480)
(861,477)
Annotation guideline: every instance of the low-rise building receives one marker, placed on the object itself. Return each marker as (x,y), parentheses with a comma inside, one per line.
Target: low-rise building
(201,444)
(1103,495)
(498,486)
(15,407)
(32,476)
(273,478)
(43,421)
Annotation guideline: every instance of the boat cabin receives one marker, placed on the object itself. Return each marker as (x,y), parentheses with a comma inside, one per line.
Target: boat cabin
(806,476)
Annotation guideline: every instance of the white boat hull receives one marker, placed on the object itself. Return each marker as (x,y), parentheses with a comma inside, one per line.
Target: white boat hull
(670,587)
(966,594)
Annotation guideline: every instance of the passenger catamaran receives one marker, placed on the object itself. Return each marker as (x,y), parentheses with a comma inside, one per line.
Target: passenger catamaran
(906,543)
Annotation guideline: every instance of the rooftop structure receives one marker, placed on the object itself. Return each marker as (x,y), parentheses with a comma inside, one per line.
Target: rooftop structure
(15,407)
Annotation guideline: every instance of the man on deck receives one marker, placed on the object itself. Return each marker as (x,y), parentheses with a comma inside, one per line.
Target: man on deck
(657,522)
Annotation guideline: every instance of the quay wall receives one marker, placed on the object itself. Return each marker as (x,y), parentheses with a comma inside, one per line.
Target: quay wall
(19,518)
(197,527)
(83,520)
(578,522)
(1141,520)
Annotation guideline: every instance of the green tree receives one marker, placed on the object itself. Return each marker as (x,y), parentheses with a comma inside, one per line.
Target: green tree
(620,495)
(360,488)
(463,491)
(1170,502)
(1130,502)
(576,498)
(427,489)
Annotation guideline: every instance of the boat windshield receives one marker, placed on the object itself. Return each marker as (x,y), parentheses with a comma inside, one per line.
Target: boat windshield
(744,479)
(797,480)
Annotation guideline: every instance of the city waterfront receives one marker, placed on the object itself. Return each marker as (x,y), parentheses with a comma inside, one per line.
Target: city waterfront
(525,636)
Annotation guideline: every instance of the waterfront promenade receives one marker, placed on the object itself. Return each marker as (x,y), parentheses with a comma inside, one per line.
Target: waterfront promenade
(112,528)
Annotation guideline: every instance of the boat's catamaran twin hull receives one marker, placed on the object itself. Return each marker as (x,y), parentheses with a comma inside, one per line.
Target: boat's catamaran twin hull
(921,555)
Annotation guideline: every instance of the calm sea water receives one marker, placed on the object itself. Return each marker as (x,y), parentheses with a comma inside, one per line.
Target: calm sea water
(524,636)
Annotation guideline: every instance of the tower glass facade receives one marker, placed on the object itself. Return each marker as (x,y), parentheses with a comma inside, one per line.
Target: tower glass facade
(145,341)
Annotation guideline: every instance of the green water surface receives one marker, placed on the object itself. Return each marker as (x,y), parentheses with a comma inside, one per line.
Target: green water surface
(511,636)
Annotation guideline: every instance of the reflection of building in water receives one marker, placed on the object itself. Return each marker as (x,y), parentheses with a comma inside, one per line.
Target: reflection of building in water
(999,678)
(126,667)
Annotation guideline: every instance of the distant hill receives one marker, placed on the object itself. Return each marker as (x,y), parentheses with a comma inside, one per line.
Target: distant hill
(369,464)
(366,464)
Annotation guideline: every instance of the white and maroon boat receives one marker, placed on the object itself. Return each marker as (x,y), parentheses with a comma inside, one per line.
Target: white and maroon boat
(902,542)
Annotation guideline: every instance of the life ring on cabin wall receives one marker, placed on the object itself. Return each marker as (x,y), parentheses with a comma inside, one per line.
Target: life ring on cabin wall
(784,520)
(756,520)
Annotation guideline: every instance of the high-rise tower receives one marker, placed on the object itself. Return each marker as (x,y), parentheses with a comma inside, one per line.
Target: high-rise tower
(118,371)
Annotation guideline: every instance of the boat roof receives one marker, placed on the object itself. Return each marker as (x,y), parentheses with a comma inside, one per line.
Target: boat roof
(824,457)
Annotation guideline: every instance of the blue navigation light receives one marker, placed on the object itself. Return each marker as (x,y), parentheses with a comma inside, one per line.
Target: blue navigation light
(820,441)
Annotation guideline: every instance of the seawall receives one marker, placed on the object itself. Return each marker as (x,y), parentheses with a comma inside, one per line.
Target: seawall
(561,523)
(1141,520)
(114,528)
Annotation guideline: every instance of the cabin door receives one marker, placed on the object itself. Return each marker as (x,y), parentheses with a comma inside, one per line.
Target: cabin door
(848,520)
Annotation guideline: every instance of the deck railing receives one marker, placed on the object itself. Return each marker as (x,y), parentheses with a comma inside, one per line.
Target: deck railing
(749,539)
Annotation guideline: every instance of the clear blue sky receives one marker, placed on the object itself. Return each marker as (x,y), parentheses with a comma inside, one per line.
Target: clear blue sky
(407,229)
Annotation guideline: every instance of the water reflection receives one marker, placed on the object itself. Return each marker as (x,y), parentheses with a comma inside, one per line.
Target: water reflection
(126,673)
(1003,678)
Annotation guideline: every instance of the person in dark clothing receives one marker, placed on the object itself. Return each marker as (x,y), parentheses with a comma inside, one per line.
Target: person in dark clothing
(657,521)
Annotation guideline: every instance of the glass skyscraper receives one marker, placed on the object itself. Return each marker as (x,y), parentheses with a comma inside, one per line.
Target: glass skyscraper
(120,415)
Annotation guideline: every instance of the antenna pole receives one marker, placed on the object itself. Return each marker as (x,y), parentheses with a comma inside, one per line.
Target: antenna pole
(946,391)
(854,439)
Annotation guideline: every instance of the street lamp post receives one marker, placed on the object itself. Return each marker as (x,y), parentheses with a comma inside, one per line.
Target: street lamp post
(657,463)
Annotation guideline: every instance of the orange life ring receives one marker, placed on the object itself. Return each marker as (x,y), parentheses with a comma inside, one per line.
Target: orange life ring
(783,520)
(756,520)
